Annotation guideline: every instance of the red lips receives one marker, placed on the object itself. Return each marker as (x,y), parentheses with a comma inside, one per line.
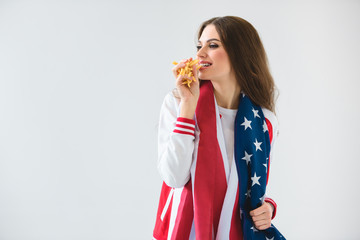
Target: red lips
(205,64)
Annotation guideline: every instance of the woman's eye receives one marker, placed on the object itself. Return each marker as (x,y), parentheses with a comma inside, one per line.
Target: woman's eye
(211,45)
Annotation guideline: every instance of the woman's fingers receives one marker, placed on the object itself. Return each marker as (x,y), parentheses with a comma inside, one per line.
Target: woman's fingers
(195,71)
(181,64)
(187,68)
(187,81)
(177,67)
(258,211)
(262,225)
(265,207)
(262,221)
(261,216)
(179,80)
(187,86)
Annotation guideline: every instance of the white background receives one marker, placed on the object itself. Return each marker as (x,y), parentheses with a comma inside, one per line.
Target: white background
(81,85)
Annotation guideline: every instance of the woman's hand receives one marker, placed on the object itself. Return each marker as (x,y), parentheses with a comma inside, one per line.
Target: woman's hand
(188,96)
(261,216)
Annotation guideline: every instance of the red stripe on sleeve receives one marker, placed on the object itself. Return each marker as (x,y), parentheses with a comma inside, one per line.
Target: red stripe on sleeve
(186,127)
(269,200)
(186,120)
(183,132)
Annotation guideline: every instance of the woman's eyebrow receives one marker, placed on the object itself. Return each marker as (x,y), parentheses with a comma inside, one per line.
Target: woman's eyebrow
(211,39)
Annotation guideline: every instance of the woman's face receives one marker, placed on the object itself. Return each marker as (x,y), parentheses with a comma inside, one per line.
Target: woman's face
(212,56)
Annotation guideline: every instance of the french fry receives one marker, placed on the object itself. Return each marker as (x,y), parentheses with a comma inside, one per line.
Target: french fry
(187,71)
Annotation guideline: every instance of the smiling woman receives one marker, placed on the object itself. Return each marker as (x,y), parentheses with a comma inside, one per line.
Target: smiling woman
(214,140)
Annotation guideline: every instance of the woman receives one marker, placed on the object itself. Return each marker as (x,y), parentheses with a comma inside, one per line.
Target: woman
(214,170)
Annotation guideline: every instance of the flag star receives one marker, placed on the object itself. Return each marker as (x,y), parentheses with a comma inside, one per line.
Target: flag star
(247,158)
(262,199)
(265,165)
(255,180)
(248,194)
(265,128)
(257,144)
(241,213)
(254,229)
(255,113)
(243,95)
(246,123)
(269,238)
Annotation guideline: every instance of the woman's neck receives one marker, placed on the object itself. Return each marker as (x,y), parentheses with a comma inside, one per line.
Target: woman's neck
(227,94)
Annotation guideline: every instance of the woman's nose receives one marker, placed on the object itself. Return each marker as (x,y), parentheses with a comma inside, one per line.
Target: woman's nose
(201,53)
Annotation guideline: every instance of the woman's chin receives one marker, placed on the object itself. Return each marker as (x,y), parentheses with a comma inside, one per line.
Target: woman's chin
(203,76)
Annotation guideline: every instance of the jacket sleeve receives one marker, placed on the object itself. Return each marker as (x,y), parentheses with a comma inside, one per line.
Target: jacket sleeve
(175,144)
(273,132)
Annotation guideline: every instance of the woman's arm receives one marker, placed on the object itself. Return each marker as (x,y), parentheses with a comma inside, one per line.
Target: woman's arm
(263,215)
(177,130)
(175,144)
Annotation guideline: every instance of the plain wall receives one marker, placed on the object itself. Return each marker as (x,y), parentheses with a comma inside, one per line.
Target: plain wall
(81,85)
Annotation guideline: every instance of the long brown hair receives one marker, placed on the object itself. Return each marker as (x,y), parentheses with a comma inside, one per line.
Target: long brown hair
(248,58)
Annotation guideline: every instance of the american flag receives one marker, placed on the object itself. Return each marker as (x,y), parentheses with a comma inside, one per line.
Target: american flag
(252,151)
